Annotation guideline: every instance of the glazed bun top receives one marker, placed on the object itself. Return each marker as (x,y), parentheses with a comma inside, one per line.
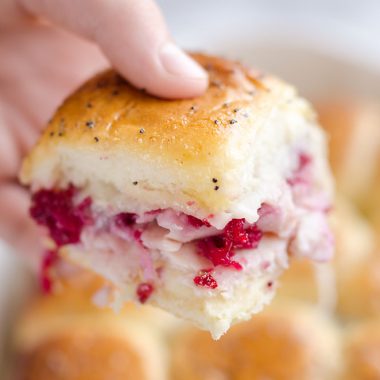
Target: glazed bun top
(199,156)
(108,111)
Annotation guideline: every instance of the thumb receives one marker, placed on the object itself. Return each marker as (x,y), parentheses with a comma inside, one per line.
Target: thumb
(134,37)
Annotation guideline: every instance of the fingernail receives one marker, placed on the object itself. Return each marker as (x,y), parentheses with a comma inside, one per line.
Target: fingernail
(176,62)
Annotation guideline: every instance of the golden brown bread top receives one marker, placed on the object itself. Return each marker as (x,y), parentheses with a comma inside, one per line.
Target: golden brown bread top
(356,262)
(74,341)
(362,350)
(299,281)
(337,117)
(109,111)
(81,354)
(359,289)
(107,115)
(64,335)
(276,344)
(73,299)
(353,126)
(371,202)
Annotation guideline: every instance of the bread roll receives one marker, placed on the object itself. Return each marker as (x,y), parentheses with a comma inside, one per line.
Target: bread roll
(359,289)
(314,284)
(65,336)
(362,351)
(189,205)
(371,202)
(357,263)
(353,127)
(286,342)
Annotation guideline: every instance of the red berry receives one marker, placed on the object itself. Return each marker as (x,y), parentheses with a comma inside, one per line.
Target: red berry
(205,279)
(83,210)
(197,223)
(221,248)
(125,219)
(219,251)
(55,210)
(234,232)
(254,236)
(137,235)
(144,290)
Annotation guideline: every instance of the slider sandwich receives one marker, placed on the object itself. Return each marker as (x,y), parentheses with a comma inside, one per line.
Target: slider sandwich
(194,206)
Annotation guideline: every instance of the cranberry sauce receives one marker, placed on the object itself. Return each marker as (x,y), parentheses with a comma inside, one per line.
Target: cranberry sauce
(65,219)
(125,219)
(197,223)
(221,248)
(144,291)
(55,209)
(205,279)
(48,262)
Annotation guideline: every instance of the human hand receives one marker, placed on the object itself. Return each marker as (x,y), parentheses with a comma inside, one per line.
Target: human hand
(40,64)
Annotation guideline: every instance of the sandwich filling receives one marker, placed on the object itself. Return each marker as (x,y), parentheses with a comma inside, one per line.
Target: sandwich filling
(151,239)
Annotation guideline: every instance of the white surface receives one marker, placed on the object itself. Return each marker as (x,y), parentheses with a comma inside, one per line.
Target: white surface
(350,27)
(321,46)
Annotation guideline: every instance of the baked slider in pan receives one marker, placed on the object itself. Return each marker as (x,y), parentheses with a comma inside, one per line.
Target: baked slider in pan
(190,205)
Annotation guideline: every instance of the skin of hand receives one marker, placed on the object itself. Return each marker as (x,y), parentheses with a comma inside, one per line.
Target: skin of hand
(48,48)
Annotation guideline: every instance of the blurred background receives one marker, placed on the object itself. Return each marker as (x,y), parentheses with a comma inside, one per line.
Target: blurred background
(302,41)
(325,322)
